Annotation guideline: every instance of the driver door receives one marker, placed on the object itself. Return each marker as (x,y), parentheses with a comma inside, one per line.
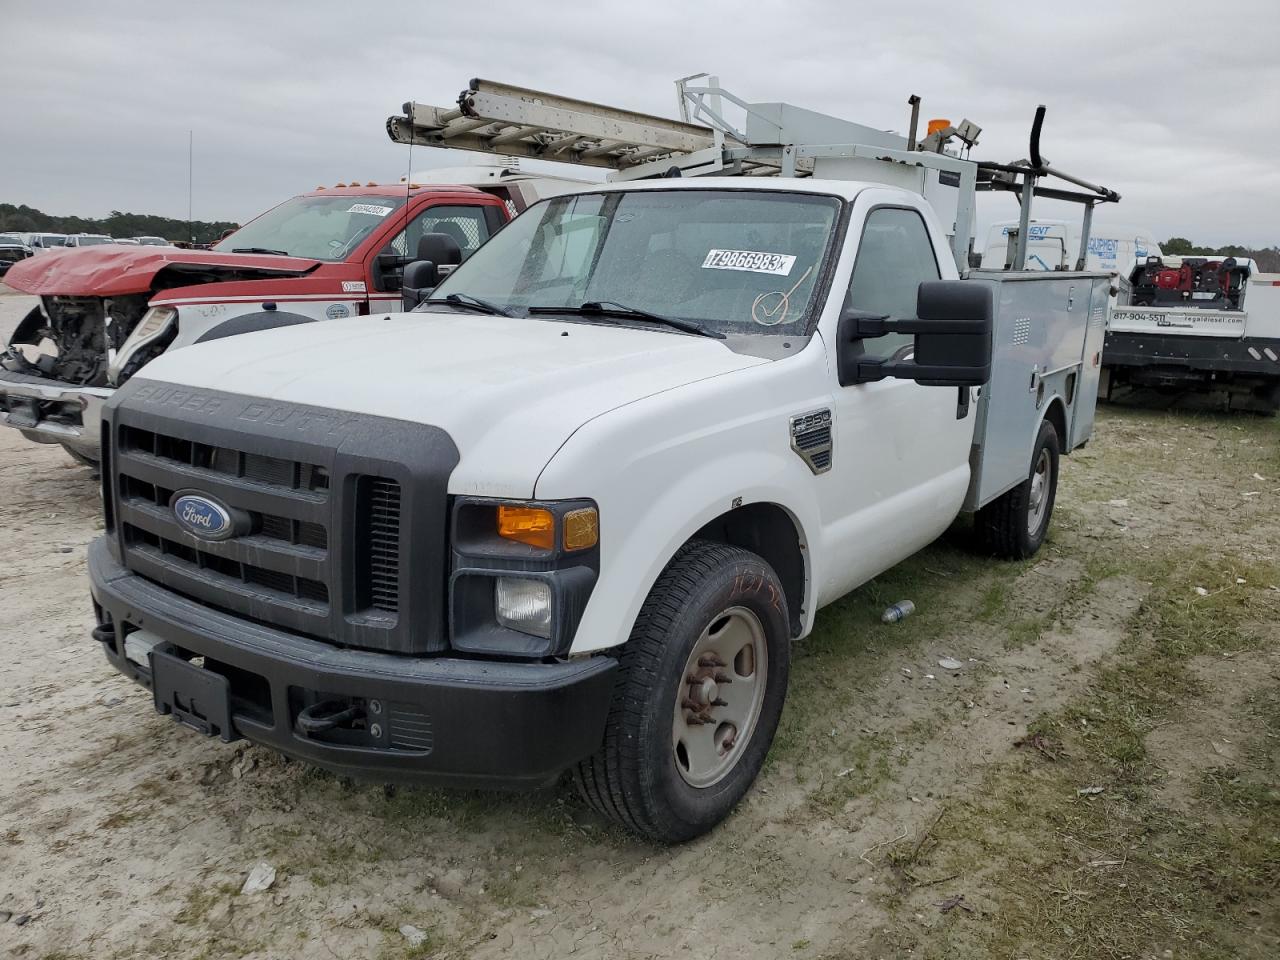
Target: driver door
(901,453)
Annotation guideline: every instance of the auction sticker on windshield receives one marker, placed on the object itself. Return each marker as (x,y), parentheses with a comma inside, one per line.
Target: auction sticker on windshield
(779,264)
(369,208)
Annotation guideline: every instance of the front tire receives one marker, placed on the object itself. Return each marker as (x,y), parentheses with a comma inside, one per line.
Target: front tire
(1015,524)
(700,690)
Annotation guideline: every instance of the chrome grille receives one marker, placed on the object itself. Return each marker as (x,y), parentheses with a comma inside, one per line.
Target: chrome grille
(277,574)
(325,509)
(256,467)
(171,552)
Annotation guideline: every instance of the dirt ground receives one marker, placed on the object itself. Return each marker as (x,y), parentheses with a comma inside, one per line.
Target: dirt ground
(907,809)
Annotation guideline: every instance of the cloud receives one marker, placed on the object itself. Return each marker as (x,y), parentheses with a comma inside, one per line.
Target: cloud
(1169,106)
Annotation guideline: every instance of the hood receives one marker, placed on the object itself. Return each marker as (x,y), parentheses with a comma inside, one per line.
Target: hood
(508,391)
(111,270)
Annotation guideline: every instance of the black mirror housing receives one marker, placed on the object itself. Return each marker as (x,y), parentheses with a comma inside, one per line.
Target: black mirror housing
(962,313)
(439,248)
(420,278)
(388,269)
(952,331)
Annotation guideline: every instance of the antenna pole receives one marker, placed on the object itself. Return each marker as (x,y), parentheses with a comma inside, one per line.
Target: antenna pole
(191,229)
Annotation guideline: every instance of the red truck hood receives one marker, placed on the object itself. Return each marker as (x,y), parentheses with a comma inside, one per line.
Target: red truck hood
(108,271)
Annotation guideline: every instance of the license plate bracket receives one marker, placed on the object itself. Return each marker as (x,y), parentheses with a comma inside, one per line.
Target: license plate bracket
(195,697)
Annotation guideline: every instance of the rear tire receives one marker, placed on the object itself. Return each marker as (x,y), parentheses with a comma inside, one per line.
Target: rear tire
(664,772)
(1015,524)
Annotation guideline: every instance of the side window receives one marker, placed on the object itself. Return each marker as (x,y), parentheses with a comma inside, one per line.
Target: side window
(467,225)
(894,256)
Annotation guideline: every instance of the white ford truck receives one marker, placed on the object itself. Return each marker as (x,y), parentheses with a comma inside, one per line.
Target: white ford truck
(572,512)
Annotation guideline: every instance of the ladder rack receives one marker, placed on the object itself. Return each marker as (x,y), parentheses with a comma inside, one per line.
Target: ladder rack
(776,139)
(516,122)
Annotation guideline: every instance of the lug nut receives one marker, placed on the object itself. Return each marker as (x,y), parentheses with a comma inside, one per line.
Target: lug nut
(711,660)
(726,737)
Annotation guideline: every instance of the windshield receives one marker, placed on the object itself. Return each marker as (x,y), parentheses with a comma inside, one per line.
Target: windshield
(52,240)
(91,241)
(734,261)
(151,241)
(318,228)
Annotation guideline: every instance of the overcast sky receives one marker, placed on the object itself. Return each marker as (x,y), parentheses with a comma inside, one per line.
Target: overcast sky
(1173,104)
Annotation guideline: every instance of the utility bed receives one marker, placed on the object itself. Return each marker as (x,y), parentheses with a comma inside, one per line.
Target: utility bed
(1046,346)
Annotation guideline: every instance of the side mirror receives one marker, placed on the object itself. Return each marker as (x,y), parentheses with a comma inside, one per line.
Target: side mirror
(952,333)
(420,278)
(388,270)
(439,248)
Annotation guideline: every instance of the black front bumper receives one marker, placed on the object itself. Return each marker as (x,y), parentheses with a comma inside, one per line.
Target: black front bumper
(439,719)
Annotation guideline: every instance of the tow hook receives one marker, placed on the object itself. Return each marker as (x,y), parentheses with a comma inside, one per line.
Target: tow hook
(328,715)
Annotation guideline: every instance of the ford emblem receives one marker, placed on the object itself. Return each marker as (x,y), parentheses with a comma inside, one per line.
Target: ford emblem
(202,516)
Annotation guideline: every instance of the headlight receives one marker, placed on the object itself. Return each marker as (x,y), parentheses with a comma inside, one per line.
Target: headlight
(521,574)
(152,325)
(523,605)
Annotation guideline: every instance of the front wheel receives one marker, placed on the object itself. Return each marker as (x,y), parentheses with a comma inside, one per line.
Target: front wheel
(1015,524)
(699,694)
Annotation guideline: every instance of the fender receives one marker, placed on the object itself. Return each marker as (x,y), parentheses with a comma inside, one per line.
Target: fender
(663,467)
(635,554)
(1058,401)
(26,331)
(253,322)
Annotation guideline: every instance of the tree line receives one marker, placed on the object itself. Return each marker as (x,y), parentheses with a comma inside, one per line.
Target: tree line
(24,219)
(1267,258)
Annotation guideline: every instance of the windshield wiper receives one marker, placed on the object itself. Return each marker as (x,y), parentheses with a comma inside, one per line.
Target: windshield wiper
(278,253)
(610,308)
(467,302)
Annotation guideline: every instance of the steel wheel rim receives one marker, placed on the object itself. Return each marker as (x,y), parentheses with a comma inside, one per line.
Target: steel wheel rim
(1038,500)
(719,697)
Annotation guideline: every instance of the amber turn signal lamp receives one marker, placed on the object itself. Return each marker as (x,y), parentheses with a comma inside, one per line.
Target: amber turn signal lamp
(531,525)
(581,529)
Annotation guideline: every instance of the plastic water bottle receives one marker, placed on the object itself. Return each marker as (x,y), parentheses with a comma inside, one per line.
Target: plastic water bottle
(898,611)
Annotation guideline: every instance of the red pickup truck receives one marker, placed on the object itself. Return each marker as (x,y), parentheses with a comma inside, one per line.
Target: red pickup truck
(106,311)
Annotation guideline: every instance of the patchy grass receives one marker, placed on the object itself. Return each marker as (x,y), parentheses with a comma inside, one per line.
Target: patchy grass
(1119,873)
(832,667)
(200,900)
(396,947)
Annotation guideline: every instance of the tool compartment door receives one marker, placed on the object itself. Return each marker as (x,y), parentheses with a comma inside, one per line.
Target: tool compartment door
(1038,344)
(1084,406)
